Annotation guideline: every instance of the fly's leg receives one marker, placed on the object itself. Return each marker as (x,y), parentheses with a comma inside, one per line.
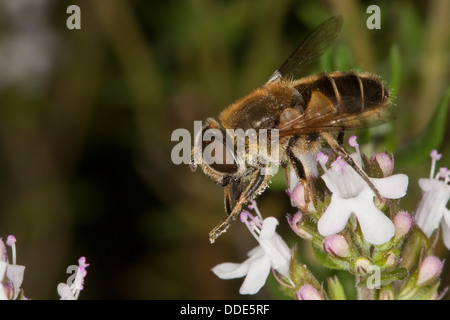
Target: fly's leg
(256,185)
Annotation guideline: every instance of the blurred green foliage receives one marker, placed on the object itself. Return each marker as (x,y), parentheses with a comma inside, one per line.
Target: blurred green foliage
(85,145)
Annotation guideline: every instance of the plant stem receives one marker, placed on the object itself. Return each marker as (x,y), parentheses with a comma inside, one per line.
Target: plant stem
(363,293)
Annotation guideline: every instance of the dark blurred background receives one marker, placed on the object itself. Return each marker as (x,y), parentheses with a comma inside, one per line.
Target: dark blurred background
(86,118)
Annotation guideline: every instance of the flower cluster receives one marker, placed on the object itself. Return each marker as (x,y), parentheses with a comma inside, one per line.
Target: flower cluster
(351,194)
(351,214)
(11,276)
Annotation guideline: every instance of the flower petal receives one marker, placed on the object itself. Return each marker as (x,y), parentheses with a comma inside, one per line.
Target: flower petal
(435,195)
(230,270)
(256,276)
(376,227)
(346,183)
(278,253)
(274,246)
(3,267)
(392,187)
(293,180)
(335,217)
(428,184)
(445,225)
(64,292)
(15,274)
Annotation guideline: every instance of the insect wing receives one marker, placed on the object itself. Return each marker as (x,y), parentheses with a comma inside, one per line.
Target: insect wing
(315,44)
(322,116)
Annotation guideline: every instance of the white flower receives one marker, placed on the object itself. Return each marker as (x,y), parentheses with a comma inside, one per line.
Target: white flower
(351,194)
(272,252)
(445,225)
(14,273)
(72,291)
(432,207)
(3,266)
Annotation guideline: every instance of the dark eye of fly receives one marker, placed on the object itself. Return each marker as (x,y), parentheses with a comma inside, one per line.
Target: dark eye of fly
(220,158)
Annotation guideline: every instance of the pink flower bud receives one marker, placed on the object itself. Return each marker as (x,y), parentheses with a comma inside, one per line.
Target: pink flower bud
(297,196)
(295,222)
(308,292)
(391,260)
(386,164)
(403,223)
(336,245)
(429,270)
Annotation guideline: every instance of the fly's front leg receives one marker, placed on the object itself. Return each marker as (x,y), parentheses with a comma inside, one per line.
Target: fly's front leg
(256,185)
(227,199)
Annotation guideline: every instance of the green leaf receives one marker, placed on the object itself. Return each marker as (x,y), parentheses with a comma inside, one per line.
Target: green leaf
(299,273)
(411,291)
(396,274)
(426,293)
(335,289)
(431,138)
(385,277)
(416,242)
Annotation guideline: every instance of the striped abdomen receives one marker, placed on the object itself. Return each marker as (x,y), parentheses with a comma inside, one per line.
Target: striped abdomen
(350,92)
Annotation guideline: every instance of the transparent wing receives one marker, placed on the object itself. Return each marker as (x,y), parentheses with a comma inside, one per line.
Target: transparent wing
(315,44)
(321,116)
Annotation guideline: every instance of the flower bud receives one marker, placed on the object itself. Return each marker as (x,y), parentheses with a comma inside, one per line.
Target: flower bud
(429,270)
(336,245)
(403,223)
(387,293)
(386,164)
(295,222)
(297,196)
(391,260)
(308,292)
(361,265)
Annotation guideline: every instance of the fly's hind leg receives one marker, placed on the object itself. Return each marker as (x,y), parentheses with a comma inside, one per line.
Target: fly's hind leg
(303,176)
(295,162)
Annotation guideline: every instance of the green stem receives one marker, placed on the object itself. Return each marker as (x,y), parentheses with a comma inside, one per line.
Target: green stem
(364,293)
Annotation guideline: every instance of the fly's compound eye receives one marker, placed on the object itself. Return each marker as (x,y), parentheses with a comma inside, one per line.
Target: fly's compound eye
(216,153)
